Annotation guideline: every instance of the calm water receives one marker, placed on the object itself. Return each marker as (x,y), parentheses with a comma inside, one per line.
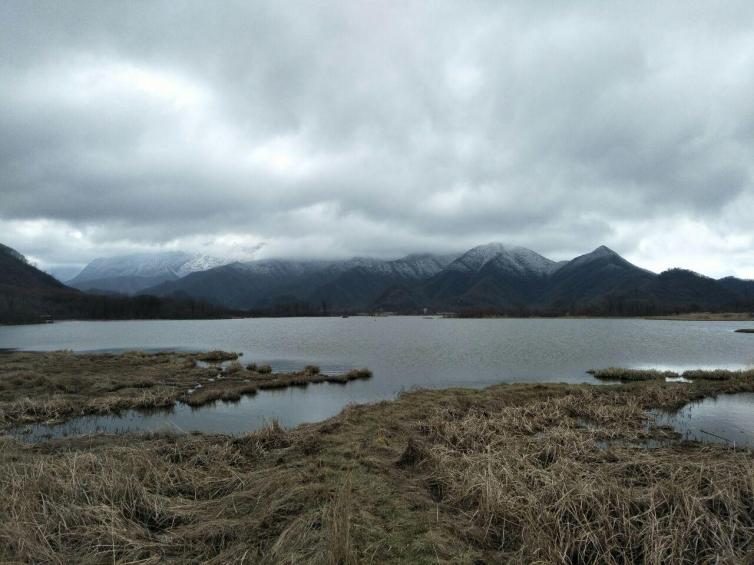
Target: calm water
(403,352)
(727,419)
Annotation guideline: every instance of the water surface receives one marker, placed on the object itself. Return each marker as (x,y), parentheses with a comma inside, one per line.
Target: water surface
(726,419)
(403,352)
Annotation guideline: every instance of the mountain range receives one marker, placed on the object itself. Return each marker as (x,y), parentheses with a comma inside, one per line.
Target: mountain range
(492,278)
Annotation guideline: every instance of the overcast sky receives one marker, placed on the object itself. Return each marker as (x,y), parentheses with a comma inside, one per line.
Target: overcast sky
(378,128)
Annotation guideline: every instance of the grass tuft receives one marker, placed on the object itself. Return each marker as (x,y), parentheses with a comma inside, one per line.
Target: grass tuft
(216,356)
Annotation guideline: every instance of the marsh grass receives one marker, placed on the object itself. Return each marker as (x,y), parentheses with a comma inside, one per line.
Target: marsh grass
(216,356)
(58,386)
(620,374)
(560,498)
(627,375)
(506,474)
(539,473)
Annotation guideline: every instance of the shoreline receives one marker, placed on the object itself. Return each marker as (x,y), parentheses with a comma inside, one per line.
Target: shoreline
(696,317)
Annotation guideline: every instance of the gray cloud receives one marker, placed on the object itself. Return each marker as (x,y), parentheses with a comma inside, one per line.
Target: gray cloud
(339,128)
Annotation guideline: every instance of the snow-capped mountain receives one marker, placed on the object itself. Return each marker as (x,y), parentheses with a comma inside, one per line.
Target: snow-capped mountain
(415,266)
(343,283)
(515,259)
(492,277)
(129,274)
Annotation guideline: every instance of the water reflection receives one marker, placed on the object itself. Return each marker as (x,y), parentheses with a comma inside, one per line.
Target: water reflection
(314,403)
(727,419)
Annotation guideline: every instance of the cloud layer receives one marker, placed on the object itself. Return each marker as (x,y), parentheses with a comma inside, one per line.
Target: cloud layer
(344,128)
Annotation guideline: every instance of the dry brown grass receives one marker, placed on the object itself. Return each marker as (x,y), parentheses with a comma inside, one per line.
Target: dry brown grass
(555,496)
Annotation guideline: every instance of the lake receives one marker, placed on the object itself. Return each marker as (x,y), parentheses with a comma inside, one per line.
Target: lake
(403,352)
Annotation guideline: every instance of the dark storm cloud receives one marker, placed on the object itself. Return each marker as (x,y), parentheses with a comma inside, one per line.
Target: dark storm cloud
(379,128)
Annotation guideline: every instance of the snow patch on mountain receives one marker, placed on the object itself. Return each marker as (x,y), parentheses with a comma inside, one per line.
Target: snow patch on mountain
(415,266)
(175,263)
(515,259)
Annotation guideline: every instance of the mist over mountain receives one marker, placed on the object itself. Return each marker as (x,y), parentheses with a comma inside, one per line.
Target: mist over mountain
(128,274)
(491,278)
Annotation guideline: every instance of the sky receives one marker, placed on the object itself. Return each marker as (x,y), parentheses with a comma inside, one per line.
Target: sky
(378,128)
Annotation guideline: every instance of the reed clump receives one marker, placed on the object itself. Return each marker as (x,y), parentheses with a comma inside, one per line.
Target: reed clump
(621,374)
(217,356)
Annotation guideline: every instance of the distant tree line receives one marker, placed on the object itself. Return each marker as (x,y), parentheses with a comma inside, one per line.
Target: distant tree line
(19,306)
(608,307)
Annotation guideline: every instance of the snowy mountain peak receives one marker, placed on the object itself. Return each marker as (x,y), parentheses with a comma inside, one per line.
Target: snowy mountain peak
(200,263)
(602,252)
(517,259)
(415,266)
(169,263)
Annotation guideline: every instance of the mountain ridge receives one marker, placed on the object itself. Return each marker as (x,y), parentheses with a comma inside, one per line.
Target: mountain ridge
(489,279)
(492,277)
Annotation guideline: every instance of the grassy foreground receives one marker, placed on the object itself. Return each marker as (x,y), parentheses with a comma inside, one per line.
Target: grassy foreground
(513,473)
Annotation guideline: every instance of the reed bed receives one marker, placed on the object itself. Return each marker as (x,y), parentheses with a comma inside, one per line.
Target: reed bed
(626,375)
(561,497)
